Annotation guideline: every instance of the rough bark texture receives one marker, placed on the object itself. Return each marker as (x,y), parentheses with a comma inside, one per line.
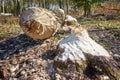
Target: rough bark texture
(39,23)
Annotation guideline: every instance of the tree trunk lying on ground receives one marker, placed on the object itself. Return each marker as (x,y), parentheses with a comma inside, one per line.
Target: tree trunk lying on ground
(39,23)
(78,48)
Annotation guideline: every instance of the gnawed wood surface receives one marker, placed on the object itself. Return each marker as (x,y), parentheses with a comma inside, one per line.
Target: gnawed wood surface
(82,50)
(69,20)
(28,59)
(39,23)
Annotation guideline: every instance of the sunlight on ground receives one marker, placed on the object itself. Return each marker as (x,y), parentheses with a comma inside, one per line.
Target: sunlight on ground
(10,27)
(106,24)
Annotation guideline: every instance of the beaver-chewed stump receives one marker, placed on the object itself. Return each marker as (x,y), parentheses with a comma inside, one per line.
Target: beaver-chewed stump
(79,53)
(76,54)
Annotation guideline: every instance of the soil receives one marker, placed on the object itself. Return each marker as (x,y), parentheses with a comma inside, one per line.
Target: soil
(23,58)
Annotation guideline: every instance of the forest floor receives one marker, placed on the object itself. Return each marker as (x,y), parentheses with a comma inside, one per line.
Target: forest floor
(23,58)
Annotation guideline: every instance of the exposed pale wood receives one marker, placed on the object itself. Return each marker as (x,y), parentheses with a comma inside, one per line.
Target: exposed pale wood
(80,49)
(39,23)
(78,44)
(77,48)
(69,20)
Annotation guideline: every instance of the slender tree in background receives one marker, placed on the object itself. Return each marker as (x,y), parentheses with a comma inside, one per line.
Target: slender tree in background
(16,6)
(67,5)
(86,4)
(60,4)
(44,1)
(3,6)
(0,6)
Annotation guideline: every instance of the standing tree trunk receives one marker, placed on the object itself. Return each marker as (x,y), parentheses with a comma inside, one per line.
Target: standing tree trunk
(60,4)
(0,6)
(87,9)
(18,9)
(67,5)
(3,6)
(44,3)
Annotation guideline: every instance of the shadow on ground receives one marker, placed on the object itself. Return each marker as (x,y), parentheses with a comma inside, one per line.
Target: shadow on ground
(16,45)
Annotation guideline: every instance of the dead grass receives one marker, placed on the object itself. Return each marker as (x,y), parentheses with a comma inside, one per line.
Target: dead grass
(9,26)
(92,23)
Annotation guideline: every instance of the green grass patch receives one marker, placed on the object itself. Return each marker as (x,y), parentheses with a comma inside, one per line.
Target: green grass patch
(96,23)
(9,30)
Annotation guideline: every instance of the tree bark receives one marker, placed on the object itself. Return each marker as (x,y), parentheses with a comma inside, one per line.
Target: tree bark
(44,4)
(3,6)
(60,4)
(67,5)
(87,9)
(18,7)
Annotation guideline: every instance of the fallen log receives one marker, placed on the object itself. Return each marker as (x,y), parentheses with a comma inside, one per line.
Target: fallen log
(77,50)
(39,23)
